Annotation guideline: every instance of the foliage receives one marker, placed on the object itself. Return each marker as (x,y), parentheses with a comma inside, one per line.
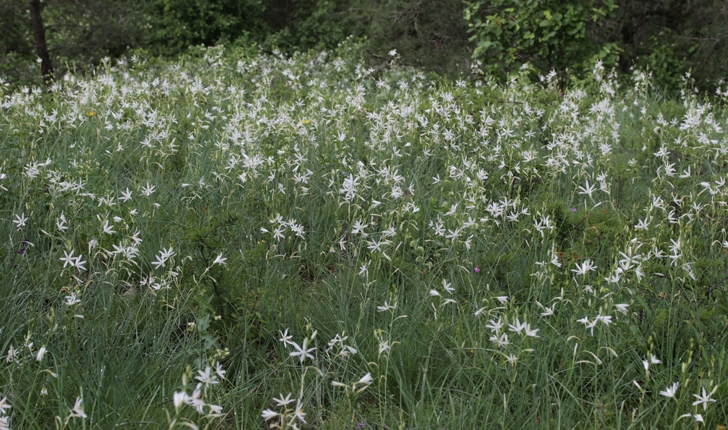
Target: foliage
(667,37)
(672,38)
(551,35)
(79,34)
(284,24)
(183,23)
(16,42)
(424,33)
(431,35)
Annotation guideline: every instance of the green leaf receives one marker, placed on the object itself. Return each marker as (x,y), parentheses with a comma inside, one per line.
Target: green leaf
(637,334)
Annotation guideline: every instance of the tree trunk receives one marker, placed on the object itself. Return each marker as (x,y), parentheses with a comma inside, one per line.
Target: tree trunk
(41,48)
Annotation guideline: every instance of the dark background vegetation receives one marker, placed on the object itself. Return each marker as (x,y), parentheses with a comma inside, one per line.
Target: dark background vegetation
(669,37)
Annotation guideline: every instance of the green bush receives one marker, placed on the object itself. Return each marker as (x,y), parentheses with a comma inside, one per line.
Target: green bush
(668,37)
(551,35)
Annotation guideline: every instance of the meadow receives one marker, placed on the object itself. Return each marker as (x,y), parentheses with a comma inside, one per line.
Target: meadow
(242,241)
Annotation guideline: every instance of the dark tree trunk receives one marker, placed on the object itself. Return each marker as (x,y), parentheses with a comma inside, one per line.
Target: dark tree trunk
(41,48)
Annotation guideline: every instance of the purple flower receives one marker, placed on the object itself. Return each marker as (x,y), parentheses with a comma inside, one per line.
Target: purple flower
(361,425)
(476,270)
(24,248)
(573,210)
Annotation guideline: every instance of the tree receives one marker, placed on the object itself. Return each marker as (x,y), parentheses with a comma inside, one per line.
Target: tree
(41,47)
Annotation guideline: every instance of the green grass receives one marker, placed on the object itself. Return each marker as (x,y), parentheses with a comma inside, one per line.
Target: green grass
(492,256)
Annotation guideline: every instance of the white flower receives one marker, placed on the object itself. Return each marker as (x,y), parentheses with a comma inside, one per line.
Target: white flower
(375,246)
(588,324)
(302,352)
(12,354)
(77,410)
(162,258)
(299,412)
(72,299)
(286,338)
(4,406)
(219,371)
(20,221)
(108,229)
(651,360)
(585,268)
(179,399)
(705,398)
(349,187)
(622,307)
(605,319)
(671,390)
(494,325)
(366,379)
(125,195)
(363,270)
(195,400)
(530,332)
(283,401)
(148,190)
(41,353)
(219,260)
(61,223)
(587,190)
(517,327)
(386,307)
(78,263)
(698,417)
(447,286)
(67,258)
(384,346)
(268,414)
(206,376)
(547,311)
(500,340)
(642,224)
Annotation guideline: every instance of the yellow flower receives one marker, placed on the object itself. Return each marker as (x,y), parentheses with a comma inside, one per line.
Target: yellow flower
(91,113)
(306,121)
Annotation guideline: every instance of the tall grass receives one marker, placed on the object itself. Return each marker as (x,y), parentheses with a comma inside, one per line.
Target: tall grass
(191,242)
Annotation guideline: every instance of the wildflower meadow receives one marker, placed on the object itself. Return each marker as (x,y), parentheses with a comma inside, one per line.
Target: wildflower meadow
(244,241)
